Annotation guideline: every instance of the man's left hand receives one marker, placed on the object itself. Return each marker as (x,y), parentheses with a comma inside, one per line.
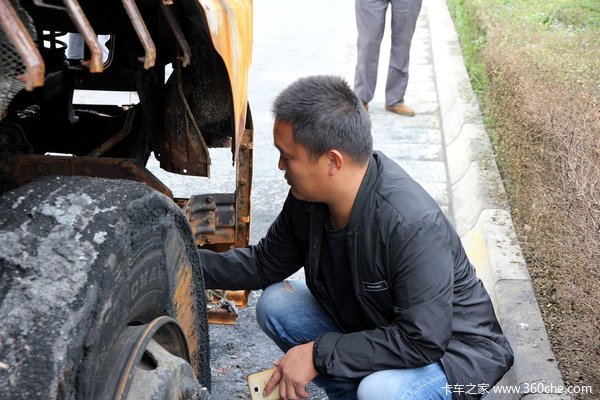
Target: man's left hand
(294,370)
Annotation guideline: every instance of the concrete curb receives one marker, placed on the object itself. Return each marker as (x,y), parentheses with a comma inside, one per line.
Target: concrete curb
(483,220)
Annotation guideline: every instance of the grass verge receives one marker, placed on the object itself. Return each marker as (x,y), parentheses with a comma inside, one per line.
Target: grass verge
(535,66)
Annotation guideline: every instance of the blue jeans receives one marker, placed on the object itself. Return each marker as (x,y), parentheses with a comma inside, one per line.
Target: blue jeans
(289,314)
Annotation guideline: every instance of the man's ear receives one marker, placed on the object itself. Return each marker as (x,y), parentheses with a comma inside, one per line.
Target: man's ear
(336,161)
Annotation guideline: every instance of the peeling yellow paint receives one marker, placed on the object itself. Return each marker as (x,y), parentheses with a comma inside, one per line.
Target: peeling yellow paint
(230,25)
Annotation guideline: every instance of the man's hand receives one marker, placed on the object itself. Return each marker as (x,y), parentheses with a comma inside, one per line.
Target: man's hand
(294,370)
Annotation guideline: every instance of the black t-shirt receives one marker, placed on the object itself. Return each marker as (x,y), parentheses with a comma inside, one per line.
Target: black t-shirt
(335,273)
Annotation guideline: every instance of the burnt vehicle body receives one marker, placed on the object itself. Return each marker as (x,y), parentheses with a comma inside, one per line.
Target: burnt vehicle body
(101,291)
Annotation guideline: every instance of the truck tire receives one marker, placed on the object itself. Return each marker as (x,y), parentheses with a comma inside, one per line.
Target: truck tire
(81,260)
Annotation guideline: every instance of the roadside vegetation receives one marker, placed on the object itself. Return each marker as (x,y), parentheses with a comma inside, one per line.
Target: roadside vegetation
(535,66)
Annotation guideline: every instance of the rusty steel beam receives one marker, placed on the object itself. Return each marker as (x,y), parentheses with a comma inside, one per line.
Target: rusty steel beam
(243,194)
(142,32)
(18,36)
(21,169)
(222,221)
(243,188)
(176,29)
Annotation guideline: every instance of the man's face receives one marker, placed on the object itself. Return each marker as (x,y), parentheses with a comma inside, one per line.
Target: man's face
(306,178)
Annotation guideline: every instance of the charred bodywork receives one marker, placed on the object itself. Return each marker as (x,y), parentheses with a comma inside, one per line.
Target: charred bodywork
(186,60)
(184,65)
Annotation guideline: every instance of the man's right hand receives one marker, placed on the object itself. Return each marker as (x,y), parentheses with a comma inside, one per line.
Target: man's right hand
(294,371)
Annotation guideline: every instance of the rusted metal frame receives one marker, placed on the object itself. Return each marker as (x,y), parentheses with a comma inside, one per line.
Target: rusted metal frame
(95,63)
(185,148)
(211,218)
(117,138)
(227,315)
(243,203)
(22,169)
(23,42)
(176,29)
(142,32)
(243,188)
(224,218)
(213,223)
(84,27)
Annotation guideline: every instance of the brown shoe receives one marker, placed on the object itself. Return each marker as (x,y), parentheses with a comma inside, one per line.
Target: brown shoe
(402,109)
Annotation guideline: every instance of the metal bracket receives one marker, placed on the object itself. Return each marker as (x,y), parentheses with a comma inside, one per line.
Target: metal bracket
(118,137)
(22,169)
(185,149)
(212,218)
(176,29)
(142,32)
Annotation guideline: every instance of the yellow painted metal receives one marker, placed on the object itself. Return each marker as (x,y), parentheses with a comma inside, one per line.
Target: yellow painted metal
(230,26)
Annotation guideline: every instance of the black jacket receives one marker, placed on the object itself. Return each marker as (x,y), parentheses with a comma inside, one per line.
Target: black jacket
(412,278)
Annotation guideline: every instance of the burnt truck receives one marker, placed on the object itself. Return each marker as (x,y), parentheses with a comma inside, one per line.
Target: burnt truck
(101,290)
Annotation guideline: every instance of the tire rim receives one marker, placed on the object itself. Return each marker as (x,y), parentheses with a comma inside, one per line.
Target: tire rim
(157,346)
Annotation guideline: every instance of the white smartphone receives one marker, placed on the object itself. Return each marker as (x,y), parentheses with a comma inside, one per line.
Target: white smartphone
(257,383)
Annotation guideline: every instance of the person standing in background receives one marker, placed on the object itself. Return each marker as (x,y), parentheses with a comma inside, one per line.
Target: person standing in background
(76,46)
(370,22)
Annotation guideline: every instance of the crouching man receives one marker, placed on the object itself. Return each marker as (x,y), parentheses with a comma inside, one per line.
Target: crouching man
(391,307)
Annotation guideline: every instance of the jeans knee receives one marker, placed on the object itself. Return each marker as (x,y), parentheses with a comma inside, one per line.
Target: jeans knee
(273,304)
(405,384)
(367,389)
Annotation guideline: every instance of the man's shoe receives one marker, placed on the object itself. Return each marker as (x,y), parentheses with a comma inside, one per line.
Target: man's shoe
(402,109)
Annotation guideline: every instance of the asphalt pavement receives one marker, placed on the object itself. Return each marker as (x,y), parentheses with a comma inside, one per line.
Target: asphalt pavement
(444,147)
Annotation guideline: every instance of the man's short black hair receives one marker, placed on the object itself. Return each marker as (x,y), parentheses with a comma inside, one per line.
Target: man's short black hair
(326,114)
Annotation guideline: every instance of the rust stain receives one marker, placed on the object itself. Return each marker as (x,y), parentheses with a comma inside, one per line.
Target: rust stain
(221,316)
(230,25)
(239,297)
(185,308)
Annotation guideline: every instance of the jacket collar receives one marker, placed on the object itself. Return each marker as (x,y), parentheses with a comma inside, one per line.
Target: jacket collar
(364,191)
